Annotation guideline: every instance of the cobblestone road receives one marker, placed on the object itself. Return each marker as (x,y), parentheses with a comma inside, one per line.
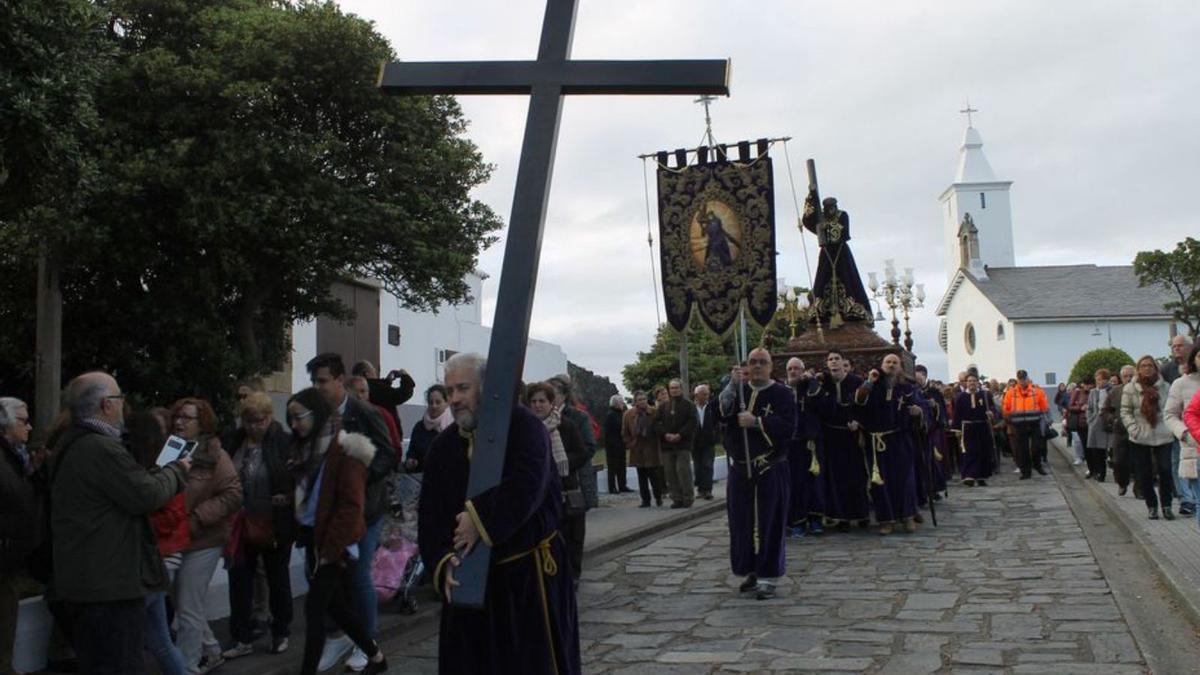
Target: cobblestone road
(1007,584)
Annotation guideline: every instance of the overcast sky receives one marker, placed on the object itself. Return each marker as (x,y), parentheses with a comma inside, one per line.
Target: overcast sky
(1088,107)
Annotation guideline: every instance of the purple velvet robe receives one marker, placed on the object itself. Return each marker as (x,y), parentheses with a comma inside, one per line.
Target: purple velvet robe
(757,494)
(844,471)
(806,457)
(935,445)
(529,624)
(892,442)
(978,450)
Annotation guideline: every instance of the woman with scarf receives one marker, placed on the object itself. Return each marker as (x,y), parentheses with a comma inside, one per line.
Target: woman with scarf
(330,470)
(569,453)
(437,417)
(1142,404)
(973,420)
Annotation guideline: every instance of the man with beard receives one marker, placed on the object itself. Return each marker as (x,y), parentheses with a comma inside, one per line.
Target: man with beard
(937,456)
(893,410)
(760,418)
(529,623)
(845,468)
(807,507)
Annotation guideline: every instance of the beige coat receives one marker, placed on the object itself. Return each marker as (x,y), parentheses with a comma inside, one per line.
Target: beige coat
(214,494)
(1141,431)
(643,450)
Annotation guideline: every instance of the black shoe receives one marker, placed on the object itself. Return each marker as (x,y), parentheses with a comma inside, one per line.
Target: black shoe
(1122,490)
(981,482)
(1186,509)
(644,505)
(1026,476)
(659,502)
(1168,513)
(918,518)
(677,505)
(765,593)
(70,665)
(1039,469)
(1153,513)
(625,489)
(843,527)
(749,584)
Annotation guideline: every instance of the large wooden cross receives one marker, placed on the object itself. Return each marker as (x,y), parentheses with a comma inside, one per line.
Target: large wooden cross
(546,80)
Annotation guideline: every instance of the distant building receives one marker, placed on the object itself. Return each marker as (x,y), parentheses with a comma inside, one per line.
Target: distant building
(1000,317)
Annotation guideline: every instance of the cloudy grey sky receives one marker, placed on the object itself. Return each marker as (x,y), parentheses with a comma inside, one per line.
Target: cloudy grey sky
(1089,107)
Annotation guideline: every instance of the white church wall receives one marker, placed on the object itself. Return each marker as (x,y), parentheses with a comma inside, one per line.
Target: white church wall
(992,215)
(992,355)
(1054,346)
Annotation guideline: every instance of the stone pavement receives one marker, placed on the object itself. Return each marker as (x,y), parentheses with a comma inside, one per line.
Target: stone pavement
(1007,584)
(1174,546)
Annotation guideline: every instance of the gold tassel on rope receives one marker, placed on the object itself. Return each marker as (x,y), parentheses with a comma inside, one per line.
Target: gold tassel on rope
(814,467)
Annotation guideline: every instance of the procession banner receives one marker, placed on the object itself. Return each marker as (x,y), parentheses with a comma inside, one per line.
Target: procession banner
(717,236)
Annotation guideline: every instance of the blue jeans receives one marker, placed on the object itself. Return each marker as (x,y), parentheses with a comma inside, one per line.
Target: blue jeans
(1193,494)
(362,589)
(157,636)
(1185,494)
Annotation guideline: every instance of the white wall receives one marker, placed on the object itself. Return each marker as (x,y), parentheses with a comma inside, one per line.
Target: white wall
(994,223)
(994,357)
(1054,346)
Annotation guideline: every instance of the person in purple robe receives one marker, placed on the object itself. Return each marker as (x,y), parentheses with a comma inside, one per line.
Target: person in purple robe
(806,511)
(845,467)
(893,412)
(973,418)
(760,419)
(529,623)
(934,448)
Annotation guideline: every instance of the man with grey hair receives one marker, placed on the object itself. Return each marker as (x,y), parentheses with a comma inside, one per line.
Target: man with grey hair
(704,442)
(1180,346)
(614,445)
(675,425)
(529,623)
(105,559)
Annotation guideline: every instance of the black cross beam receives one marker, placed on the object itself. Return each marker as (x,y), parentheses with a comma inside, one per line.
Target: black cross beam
(546,80)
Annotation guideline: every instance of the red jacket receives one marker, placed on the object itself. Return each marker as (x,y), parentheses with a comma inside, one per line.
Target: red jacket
(1191,416)
(171,526)
(394,435)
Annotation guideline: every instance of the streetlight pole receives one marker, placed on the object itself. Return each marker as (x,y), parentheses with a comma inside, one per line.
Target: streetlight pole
(901,295)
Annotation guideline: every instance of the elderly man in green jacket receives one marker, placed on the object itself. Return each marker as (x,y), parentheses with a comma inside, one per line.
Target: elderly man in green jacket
(105,555)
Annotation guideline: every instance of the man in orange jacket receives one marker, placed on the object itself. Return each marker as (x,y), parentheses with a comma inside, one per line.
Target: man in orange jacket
(1024,405)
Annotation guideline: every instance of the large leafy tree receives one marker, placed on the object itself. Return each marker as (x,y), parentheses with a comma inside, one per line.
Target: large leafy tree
(247,162)
(1178,272)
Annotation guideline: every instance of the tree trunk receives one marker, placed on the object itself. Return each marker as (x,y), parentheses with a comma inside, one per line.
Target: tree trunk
(48,359)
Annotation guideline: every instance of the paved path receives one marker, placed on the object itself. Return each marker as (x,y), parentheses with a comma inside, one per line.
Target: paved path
(1008,583)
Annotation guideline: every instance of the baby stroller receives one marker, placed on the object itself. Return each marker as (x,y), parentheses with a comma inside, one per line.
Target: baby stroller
(397,569)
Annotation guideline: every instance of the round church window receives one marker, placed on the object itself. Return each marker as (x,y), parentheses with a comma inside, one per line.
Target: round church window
(969,338)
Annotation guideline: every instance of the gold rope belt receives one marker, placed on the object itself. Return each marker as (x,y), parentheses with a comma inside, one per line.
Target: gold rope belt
(878,445)
(546,566)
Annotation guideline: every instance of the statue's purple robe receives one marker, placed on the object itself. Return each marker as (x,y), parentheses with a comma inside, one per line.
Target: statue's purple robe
(970,418)
(529,624)
(935,445)
(845,469)
(806,457)
(892,442)
(756,498)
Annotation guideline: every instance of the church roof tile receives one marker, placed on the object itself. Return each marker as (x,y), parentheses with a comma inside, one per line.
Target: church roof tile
(1071,292)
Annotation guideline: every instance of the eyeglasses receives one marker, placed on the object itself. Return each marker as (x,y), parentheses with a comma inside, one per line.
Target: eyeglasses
(24,420)
(186,418)
(116,397)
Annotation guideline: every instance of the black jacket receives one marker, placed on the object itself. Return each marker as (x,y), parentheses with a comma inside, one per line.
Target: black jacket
(361,418)
(383,393)
(18,512)
(677,416)
(419,442)
(577,453)
(276,448)
(613,441)
(706,432)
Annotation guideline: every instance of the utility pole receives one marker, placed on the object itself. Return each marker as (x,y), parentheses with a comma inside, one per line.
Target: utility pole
(48,359)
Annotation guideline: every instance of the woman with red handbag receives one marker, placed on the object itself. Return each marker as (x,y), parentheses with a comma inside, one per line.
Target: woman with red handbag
(260,448)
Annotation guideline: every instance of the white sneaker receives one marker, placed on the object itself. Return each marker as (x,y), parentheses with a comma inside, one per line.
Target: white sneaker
(357,660)
(1077,462)
(335,650)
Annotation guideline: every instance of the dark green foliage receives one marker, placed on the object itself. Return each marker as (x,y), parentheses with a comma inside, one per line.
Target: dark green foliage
(1108,357)
(1178,271)
(246,161)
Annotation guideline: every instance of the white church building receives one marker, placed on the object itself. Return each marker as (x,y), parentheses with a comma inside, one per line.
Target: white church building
(1000,317)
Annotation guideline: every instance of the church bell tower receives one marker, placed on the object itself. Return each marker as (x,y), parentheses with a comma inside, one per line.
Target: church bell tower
(976,192)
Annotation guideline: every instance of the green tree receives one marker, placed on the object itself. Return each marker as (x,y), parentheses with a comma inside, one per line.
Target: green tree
(1110,358)
(247,162)
(1178,272)
(709,356)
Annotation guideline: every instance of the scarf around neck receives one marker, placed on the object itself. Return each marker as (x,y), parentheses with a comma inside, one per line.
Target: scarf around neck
(556,445)
(1151,401)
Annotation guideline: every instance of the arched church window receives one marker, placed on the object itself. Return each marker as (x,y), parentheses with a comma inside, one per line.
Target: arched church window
(1000,330)
(969,338)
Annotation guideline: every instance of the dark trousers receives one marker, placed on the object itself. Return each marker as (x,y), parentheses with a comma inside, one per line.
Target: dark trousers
(650,479)
(614,460)
(279,592)
(1120,463)
(109,636)
(1149,462)
(327,596)
(574,530)
(1027,450)
(702,463)
(1095,462)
